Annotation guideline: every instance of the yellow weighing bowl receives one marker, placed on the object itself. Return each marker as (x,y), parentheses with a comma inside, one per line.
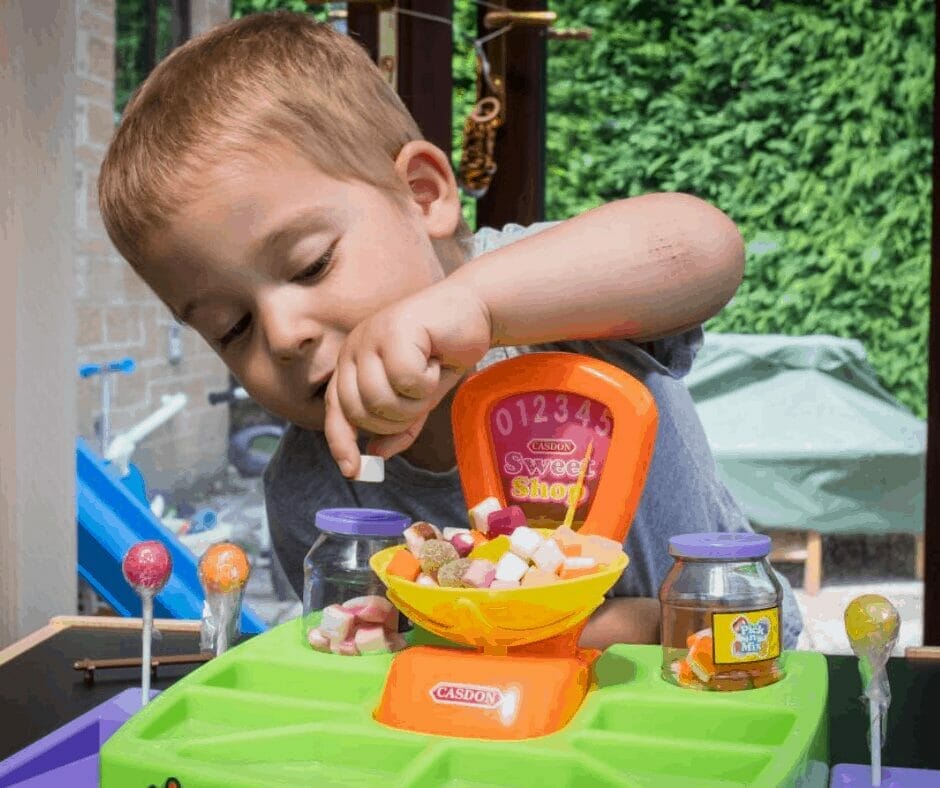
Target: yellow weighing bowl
(495,620)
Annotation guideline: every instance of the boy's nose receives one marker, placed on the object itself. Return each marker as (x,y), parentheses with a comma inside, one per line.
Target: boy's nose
(289,334)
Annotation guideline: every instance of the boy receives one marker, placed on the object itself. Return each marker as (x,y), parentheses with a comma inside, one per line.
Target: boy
(276,195)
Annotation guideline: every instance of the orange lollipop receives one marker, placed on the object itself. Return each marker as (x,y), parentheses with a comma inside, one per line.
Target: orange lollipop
(224,568)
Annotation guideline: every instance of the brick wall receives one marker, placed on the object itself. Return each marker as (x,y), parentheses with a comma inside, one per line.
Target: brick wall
(115,313)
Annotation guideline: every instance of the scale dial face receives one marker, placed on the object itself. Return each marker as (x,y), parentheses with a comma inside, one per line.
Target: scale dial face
(539,440)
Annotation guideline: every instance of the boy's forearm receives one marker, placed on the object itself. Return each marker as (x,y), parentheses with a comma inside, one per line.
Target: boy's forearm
(623,620)
(637,269)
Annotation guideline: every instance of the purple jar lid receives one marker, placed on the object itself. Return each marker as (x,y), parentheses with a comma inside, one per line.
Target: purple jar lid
(727,546)
(362,522)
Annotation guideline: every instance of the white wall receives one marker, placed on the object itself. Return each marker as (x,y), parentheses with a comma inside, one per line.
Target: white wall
(37,353)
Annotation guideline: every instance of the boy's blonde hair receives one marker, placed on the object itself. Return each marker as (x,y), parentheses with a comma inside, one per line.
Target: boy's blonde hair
(266,78)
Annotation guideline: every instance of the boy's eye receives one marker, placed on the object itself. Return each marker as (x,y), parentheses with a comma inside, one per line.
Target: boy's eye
(313,272)
(234,332)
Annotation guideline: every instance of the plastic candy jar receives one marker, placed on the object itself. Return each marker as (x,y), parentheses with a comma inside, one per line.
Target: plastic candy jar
(336,569)
(720,607)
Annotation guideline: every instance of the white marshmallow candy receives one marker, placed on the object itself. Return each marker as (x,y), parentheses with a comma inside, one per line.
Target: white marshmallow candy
(580,562)
(524,541)
(480,513)
(337,623)
(511,568)
(548,556)
(426,580)
(371,469)
(450,533)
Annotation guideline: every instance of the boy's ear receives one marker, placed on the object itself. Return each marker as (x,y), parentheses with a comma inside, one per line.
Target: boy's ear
(428,176)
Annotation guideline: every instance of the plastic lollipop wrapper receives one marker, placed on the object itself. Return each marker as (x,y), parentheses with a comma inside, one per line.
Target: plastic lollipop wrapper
(223,572)
(872,625)
(146,567)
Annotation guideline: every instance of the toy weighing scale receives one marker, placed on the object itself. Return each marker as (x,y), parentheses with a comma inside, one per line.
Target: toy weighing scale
(493,689)
(542,415)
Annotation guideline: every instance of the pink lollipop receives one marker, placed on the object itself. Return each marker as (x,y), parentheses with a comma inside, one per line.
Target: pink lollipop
(147,567)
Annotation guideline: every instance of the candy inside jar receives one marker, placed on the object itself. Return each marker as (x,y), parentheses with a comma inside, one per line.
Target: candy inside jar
(720,607)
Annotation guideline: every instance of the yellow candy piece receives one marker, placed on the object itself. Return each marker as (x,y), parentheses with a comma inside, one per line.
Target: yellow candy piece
(871,621)
(493,550)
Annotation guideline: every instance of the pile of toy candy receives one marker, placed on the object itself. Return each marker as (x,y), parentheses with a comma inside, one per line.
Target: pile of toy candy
(498,552)
(698,670)
(362,625)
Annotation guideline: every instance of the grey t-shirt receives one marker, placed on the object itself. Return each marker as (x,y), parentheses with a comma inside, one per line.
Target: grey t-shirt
(682,494)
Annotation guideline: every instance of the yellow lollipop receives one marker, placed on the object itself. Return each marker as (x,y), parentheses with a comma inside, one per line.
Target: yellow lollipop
(872,625)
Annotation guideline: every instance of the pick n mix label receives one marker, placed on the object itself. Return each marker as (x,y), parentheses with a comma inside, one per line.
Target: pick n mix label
(540,439)
(746,637)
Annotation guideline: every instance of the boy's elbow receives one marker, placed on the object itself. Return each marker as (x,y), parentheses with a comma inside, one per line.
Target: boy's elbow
(716,245)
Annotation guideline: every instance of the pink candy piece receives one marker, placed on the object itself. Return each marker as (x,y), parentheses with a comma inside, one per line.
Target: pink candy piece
(337,623)
(505,521)
(417,534)
(317,640)
(371,640)
(147,566)
(345,648)
(369,609)
(463,543)
(480,573)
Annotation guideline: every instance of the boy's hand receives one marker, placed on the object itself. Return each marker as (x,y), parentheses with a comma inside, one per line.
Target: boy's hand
(396,366)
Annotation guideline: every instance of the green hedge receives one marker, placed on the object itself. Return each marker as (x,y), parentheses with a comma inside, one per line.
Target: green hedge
(808,123)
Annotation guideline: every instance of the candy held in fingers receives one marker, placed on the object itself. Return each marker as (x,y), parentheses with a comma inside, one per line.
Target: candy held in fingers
(505,521)
(417,534)
(147,566)
(434,554)
(479,514)
(371,469)
(450,575)
(224,568)
(479,574)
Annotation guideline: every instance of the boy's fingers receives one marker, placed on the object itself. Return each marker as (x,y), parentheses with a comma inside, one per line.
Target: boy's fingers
(340,434)
(409,370)
(379,398)
(390,445)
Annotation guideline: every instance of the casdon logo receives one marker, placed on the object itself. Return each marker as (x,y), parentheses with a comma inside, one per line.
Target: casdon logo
(477,695)
(551,446)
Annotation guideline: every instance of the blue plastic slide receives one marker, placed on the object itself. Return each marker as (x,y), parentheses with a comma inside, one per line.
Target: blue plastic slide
(111,520)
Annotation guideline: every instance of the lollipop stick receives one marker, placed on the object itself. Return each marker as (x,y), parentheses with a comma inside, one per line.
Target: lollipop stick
(147,600)
(874,711)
